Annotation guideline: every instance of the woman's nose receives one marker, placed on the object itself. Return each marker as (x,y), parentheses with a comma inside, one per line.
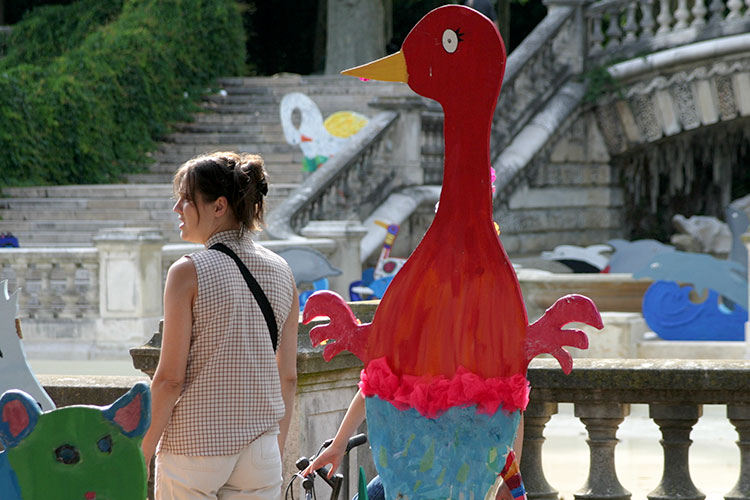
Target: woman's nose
(176,208)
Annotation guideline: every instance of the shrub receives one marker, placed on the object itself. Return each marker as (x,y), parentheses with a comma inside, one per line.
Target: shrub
(84,105)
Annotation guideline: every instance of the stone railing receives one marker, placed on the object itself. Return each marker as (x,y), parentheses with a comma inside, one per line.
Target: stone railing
(621,29)
(55,282)
(349,185)
(602,392)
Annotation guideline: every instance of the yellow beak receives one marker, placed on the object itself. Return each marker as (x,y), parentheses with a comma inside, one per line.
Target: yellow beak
(391,68)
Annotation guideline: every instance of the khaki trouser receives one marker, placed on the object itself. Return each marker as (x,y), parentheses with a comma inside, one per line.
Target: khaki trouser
(252,474)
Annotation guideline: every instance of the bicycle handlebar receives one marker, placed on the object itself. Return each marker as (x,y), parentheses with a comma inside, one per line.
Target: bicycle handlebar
(337,480)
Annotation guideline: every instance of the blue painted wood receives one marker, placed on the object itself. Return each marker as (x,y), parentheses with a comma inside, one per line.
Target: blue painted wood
(725,277)
(671,314)
(456,455)
(15,372)
(630,256)
(308,265)
(738,225)
(591,259)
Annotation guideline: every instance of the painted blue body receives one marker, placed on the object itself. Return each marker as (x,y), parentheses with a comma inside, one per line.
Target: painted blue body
(727,278)
(457,454)
(670,314)
(8,482)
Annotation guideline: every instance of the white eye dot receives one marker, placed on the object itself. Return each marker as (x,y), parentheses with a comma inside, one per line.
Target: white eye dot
(450,41)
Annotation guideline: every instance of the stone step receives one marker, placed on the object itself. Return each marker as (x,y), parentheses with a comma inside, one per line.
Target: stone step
(57,239)
(46,212)
(84,225)
(274,161)
(189,143)
(108,191)
(91,203)
(241,127)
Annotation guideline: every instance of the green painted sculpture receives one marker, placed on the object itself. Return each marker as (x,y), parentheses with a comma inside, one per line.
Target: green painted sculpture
(76,452)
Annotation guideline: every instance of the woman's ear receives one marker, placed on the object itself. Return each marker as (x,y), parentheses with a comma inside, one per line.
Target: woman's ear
(220,206)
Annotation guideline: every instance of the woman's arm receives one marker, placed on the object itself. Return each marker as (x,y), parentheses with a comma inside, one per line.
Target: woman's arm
(179,292)
(354,417)
(286,360)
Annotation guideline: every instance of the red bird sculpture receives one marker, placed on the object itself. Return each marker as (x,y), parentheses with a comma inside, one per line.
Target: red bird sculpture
(455,310)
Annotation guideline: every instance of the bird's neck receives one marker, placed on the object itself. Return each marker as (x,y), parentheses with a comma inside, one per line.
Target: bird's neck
(467,191)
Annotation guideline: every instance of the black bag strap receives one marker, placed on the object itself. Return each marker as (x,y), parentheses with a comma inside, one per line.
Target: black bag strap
(260,297)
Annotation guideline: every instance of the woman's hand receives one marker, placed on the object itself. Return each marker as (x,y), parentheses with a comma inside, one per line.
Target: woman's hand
(331,455)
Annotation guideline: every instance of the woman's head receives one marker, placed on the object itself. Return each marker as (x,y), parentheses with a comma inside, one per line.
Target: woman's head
(240,178)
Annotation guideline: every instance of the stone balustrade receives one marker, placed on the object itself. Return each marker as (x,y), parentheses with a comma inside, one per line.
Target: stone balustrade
(347,186)
(55,282)
(89,302)
(625,28)
(601,390)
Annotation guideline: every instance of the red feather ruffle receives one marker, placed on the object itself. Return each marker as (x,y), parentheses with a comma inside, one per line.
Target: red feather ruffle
(433,395)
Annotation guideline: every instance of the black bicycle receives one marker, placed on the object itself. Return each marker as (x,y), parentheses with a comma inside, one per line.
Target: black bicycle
(308,482)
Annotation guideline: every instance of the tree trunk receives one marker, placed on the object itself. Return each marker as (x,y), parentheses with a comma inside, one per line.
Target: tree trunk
(355,33)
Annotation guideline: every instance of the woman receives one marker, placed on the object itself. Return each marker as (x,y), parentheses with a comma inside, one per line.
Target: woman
(221,399)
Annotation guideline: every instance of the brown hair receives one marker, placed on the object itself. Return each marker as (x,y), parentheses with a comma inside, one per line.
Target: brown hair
(240,178)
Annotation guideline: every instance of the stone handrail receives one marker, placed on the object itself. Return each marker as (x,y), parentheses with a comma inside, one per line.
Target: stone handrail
(545,59)
(644,26)
(539,66)
(351,181)
(54,282)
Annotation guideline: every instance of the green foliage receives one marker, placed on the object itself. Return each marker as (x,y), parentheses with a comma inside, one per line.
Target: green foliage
(86,87)
(600,82)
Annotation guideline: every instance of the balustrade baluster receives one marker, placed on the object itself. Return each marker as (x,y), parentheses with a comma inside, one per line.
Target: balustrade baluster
(92,290)
(45,289)
(601,421)
(597,35)
(631,26)
(716,7)
(675,422)
(682,14)
(664,18)
(734,9)
(647,21)
(21,268)
(699,13)
(535,418)
(739,416)
(69,295)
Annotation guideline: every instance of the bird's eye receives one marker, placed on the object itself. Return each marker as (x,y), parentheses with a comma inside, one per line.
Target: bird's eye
(450,40)
(67,454)
(105,444)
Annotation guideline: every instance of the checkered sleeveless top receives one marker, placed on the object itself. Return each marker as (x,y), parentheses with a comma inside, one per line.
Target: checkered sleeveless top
(232,392)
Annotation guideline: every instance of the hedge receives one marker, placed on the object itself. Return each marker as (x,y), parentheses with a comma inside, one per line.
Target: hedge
(86,88)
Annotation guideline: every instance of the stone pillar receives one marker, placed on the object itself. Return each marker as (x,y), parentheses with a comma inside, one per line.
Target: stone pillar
(355,34)
(130,284)
(739,415)
(575,49)
(676,422)
(347,235)
(601,421)
(535,418)
(406,136)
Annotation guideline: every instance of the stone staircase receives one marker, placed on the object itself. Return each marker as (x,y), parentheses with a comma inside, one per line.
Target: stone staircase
(242,116)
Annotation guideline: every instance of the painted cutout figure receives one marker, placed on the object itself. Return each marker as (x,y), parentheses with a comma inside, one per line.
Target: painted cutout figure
(76,452)
(15,372)
(447,351)
(318,139)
